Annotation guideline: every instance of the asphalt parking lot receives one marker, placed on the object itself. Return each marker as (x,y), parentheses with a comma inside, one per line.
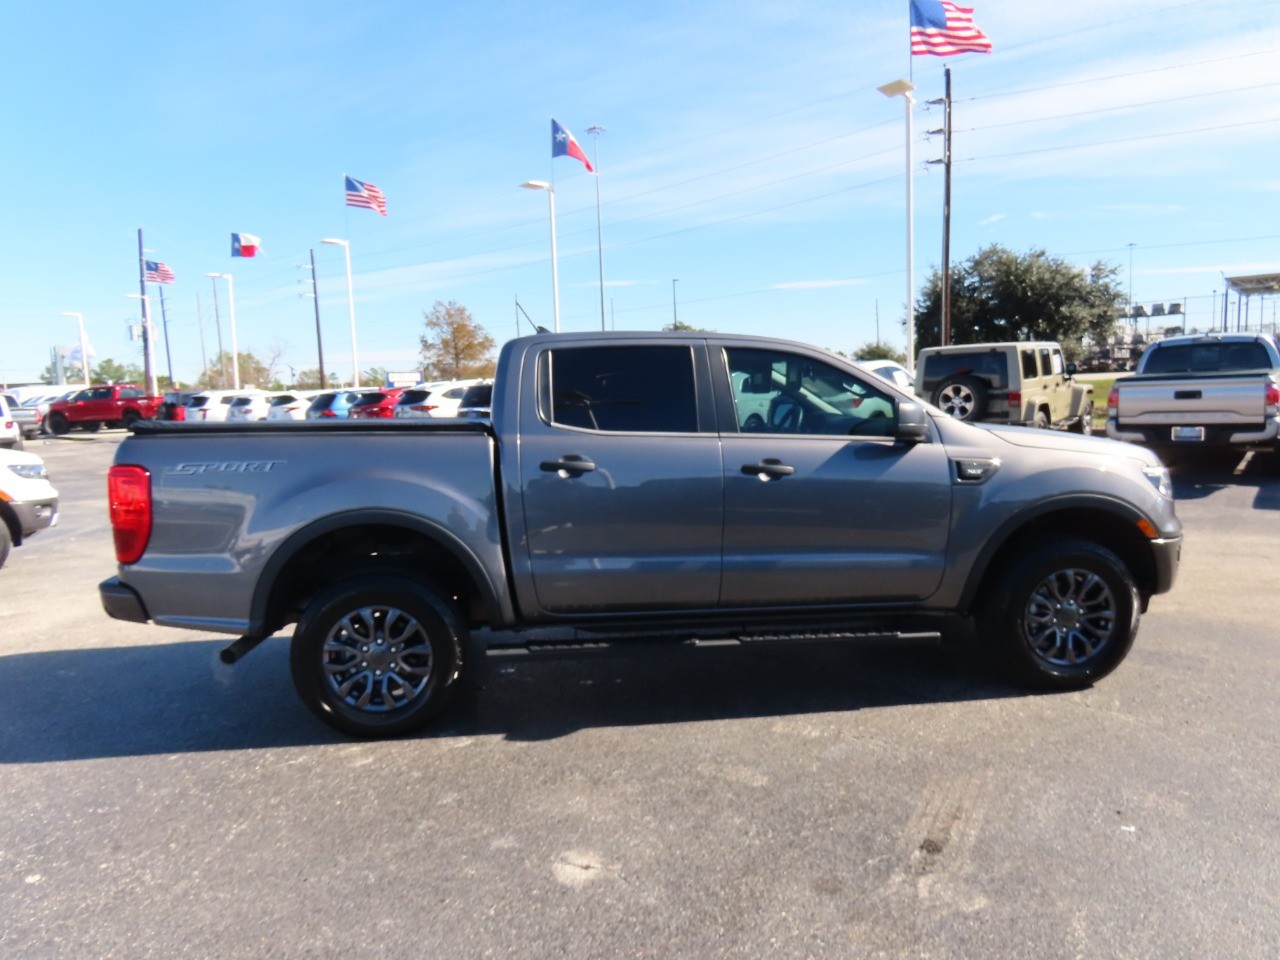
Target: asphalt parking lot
(826,802)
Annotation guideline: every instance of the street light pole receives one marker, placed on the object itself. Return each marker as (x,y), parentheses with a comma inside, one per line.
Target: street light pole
(351,309)
(904,88)
(84,351)
(555,270)
(235,351)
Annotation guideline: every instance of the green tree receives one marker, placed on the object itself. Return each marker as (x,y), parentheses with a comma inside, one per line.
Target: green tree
(374,377)
(109,371)
(679,326)
(880,351)
(455,347)
(999,295)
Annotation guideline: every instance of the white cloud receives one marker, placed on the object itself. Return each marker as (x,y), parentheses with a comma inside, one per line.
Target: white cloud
(994,218)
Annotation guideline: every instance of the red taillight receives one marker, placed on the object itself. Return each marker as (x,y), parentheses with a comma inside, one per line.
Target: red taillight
(129,497)
(420,407)
(1113,402)
(1273,399)
(327,413)
(1015,400)
(179,413)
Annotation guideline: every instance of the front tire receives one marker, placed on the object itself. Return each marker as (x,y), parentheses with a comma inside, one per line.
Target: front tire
(377,656)
(58,424)
(1061,615)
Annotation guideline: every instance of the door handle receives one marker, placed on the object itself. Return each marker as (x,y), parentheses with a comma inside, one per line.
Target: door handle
(569,465)
(770,469)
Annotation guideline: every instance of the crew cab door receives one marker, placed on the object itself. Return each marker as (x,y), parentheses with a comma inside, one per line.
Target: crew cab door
(621,478)
(822,505)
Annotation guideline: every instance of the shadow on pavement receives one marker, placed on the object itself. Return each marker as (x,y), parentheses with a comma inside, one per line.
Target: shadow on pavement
(179,698)
(1201,476)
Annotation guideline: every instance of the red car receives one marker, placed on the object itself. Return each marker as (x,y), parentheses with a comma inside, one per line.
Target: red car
(380,405)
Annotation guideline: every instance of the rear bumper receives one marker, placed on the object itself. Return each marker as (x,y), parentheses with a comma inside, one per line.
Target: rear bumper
(1215,435)
(122,602)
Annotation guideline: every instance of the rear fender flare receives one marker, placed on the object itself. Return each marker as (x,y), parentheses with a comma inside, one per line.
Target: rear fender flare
(496,601)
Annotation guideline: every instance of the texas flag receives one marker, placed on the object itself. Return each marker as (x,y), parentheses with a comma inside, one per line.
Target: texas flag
(244,245)
(563,145)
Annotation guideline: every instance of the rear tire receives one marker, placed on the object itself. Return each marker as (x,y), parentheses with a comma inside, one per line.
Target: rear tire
(1060,615)
(58,424)
(377,656)
(963,397)
(130,418)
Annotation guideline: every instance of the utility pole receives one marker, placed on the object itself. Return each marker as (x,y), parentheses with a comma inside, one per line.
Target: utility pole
(675,319)
(945,303)
(164,323)
(595,130)
(315,299)
(204,359)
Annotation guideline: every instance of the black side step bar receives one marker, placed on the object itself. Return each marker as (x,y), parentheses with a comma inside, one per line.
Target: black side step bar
(640,646)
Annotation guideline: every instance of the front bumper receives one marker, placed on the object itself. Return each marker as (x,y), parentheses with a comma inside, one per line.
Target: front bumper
(35,515)
(122,602)
(1167,554)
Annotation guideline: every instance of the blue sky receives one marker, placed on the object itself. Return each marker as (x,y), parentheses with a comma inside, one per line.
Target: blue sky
(746,153)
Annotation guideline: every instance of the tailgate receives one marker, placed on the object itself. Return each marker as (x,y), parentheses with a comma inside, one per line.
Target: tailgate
(1206,400)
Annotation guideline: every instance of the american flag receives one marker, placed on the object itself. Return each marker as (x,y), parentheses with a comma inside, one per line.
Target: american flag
(156,272)
(361,194)
(941,28)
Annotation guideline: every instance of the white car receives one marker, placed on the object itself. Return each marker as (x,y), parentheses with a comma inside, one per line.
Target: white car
(439,399)
(211,405)
(890,370)
(28,501)
(292,404)
(250,406)
(10,432)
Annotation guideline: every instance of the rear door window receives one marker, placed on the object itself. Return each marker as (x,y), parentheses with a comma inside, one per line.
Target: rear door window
(635,389)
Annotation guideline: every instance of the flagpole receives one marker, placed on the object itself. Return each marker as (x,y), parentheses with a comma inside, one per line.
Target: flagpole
(595,130)
(148,370)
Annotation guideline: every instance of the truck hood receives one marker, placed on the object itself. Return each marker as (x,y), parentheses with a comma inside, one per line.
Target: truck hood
(1070,442)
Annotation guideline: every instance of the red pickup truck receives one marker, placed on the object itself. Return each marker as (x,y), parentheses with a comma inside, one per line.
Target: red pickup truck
(119,405)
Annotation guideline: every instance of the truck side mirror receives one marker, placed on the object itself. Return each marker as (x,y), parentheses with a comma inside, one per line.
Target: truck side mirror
(913,423)
(1072,369)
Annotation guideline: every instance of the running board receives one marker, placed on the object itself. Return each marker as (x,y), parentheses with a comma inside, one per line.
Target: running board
(637,646)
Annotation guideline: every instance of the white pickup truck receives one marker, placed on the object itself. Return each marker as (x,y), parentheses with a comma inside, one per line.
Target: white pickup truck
(1200,391)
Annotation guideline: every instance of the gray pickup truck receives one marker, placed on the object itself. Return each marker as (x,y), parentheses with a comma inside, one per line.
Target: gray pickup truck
(1219,390)
(637,489)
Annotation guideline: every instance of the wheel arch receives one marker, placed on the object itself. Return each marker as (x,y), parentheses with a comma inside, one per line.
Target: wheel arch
(10,520)
(343,545)
(1111,523)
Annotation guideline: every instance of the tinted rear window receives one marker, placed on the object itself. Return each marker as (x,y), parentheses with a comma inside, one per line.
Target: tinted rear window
(282,400)
(369,399)
(478,396)
(323,402)
(1207,358)
(242,401)
(197,401)
(413,396)
(989,365)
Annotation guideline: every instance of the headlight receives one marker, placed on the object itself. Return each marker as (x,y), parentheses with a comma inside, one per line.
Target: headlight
(29,471)
(1159,478)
